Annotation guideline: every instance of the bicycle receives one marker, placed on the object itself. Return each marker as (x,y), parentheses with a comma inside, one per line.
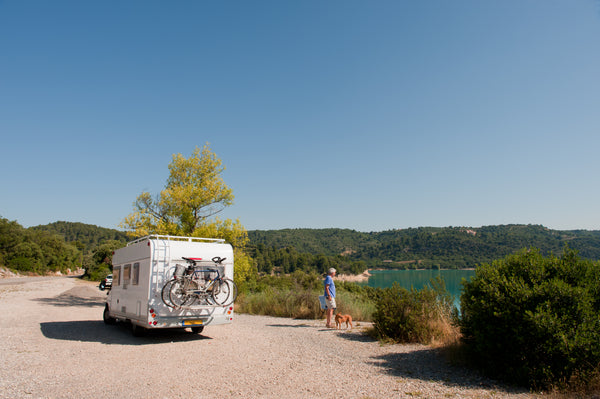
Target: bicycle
(199,284)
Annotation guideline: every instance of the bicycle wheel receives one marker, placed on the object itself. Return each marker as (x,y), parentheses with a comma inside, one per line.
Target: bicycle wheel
(224,292)
(182,292)
(166,292)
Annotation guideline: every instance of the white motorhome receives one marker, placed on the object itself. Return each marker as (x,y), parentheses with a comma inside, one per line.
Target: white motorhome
(143,268)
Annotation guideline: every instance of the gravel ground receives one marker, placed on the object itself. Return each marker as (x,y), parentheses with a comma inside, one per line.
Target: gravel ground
(55,345)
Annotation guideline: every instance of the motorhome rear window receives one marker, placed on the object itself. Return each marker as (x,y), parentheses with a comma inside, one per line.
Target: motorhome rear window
(126,274)
(116,276)
(135,280)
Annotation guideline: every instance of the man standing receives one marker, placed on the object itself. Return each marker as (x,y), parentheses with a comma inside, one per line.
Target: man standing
(330,295)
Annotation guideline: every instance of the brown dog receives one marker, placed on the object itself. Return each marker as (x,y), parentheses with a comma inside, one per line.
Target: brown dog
(341,318)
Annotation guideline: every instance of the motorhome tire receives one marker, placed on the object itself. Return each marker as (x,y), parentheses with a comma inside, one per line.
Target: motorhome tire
(197,330)
(107,318)
(137,331)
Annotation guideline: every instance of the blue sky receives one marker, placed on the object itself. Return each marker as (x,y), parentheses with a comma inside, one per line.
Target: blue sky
(353,114)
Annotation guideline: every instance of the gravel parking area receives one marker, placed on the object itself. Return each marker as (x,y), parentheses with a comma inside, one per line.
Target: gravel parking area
(55,345)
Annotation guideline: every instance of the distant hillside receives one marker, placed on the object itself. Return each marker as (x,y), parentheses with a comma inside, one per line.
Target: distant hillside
(430,247)
(35,251)
(352,251)
(325,241)
(87,234)
(95,243)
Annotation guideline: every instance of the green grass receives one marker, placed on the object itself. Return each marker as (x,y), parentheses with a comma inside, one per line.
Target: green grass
(301,304)
(297,296)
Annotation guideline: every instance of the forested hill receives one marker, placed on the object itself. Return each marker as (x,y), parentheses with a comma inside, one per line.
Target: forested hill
(429,247)
(318,249)
(58,247)
(87,234)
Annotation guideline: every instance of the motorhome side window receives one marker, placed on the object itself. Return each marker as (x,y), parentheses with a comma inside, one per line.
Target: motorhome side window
(116,276)
(135,279)
(126,274)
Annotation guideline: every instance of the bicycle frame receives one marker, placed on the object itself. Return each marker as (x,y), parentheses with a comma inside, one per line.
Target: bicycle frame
(199,285)
(196,275)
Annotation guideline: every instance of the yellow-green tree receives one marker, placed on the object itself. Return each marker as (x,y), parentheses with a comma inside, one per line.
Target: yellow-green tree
(194,193)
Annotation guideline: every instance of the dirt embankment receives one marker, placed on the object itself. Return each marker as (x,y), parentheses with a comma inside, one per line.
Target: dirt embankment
(55,345)
(354,278)
(7,273)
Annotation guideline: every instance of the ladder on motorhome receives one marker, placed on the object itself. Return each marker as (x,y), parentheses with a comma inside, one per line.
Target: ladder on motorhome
(161,253)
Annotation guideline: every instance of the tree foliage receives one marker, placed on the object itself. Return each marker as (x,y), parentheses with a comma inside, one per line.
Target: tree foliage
(86,237)
(428,247)
(35,251)
(287,260)
(194,193)
(98,263)
(350,251)
(95,243)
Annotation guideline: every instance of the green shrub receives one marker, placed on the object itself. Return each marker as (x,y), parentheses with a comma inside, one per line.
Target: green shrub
(534,320)
(423,316)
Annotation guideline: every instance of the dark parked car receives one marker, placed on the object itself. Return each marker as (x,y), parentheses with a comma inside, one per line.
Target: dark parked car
(106,282)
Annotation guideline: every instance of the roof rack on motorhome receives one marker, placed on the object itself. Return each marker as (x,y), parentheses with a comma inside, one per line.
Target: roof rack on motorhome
(175,238)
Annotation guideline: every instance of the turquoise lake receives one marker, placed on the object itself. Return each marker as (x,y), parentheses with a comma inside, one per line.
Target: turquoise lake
(420,278)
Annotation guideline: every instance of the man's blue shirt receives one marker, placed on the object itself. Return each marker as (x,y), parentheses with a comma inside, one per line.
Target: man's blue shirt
(329,281)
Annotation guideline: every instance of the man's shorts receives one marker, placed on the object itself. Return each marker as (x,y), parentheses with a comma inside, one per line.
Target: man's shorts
(330,303)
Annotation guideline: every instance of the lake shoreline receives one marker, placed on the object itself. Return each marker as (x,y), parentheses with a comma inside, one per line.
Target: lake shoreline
(354,278)
(364,276)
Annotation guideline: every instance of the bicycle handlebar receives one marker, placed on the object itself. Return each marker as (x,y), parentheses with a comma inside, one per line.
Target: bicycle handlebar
(217,259)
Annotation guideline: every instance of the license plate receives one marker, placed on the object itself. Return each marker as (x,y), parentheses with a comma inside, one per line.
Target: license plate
(192,322)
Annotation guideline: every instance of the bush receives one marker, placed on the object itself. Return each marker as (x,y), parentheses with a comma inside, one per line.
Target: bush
(418,316)
(534,320)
